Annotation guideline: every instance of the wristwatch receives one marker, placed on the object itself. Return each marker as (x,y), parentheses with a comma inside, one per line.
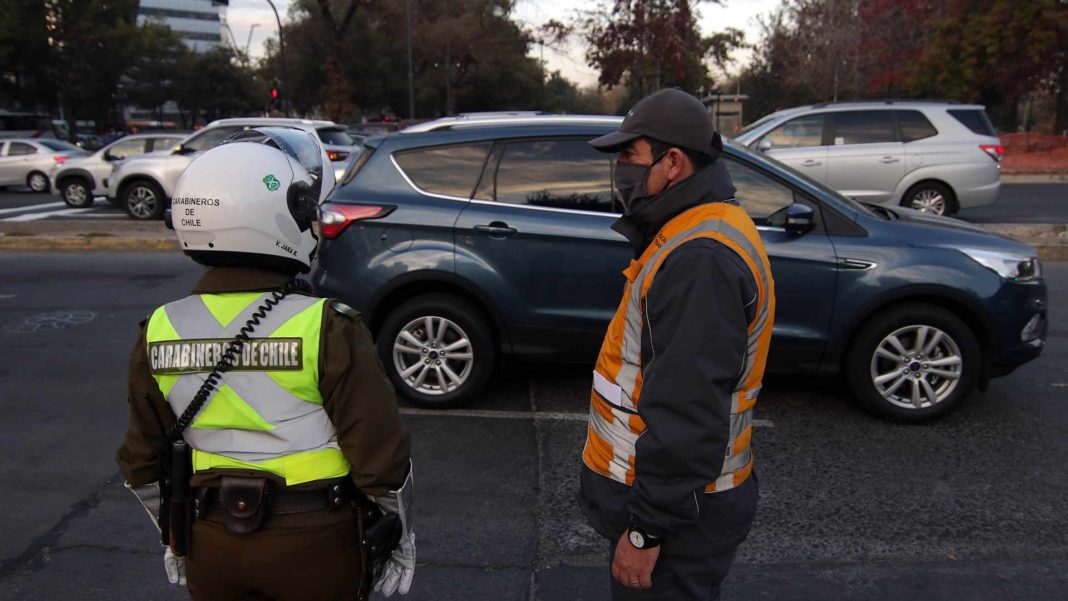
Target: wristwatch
(641,539)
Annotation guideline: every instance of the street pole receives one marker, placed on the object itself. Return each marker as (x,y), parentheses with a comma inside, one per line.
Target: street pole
(411,85)
(282,59)
(248,42)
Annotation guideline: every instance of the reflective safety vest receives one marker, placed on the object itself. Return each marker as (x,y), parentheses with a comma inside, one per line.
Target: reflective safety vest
(615,424)
(267,412)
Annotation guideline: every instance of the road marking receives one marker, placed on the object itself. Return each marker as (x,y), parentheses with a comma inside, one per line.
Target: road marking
(566,416)
(5,296)
(46,215)
(47,205)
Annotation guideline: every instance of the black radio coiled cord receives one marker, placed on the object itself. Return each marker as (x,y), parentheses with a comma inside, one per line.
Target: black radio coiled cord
(229,357)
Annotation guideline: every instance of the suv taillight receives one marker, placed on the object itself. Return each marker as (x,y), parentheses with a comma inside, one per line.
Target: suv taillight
(336,217)
(994,151)
(336,155)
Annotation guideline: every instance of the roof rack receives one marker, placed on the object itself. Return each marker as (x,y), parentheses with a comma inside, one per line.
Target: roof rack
(887,101)
(461,122)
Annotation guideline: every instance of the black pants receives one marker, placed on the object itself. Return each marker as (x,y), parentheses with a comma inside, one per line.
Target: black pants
(685,577)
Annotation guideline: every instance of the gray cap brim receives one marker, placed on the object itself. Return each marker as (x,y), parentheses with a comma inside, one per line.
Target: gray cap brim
(614,141)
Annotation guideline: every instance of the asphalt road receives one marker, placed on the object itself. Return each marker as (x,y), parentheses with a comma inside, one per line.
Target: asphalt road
(970,507)
(1017,203)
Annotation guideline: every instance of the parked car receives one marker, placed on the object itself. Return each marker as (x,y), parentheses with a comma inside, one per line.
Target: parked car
(932,156)
(143,186)
(78,180)
(28,162)
(460,243)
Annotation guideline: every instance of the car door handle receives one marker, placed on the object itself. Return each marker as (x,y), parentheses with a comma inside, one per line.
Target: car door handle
(496,229)
(811,163)
(890,160)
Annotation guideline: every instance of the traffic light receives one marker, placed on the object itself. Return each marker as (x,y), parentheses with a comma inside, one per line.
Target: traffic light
(276,93)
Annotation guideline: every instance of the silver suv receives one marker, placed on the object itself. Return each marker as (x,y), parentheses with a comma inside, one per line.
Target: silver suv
(144,185)
(78,180)
(934,156)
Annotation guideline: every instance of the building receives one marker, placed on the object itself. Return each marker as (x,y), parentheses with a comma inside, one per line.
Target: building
(198,22)
(726,111)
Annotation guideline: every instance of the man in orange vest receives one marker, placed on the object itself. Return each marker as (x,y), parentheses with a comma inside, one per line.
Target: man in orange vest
(668,474)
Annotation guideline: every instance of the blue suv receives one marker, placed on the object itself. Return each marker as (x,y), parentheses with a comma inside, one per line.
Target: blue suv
(465,239)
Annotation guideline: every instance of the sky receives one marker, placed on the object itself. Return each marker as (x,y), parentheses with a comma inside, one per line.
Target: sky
(256,16)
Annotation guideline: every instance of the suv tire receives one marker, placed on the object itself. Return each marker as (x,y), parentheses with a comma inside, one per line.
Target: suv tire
(419,362)
(76,192)
(930,197)
(906,356)
(143,200)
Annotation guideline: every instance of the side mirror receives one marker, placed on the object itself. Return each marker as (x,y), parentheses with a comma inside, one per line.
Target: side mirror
(800,219)
(179,149)
(111,157)
(764,145)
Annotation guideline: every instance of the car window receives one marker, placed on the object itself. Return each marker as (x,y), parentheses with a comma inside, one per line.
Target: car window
(155,144)
(335,136)
(975,120)
(758,194)
(3,147)
(126,148)
(798,133)
(210,138)
(563,174)
(914,126)
(21,148)
(862,127)
(448,170)
(59,145)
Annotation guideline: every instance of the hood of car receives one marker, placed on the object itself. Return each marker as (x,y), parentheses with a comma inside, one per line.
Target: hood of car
(947,232)
(153,160)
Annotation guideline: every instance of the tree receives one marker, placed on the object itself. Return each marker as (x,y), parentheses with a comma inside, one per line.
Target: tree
(217,84)
(653,44)
(152,72)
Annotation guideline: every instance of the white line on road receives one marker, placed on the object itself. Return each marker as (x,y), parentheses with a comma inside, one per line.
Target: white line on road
(566,416)
(39,216)
(5,296)
(47,205)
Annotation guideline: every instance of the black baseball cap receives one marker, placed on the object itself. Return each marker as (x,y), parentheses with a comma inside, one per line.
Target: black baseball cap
(670,116)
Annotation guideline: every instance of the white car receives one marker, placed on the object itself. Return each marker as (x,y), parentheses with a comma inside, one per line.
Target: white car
(143,186)
(27,162)
(934,156)
(79,180)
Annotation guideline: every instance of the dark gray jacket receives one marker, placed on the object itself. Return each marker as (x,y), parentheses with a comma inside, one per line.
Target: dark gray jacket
(694,336)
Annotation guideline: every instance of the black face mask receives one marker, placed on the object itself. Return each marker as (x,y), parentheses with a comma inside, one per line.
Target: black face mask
(631,181)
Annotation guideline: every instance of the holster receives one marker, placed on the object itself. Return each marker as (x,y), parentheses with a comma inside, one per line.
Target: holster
(245,503)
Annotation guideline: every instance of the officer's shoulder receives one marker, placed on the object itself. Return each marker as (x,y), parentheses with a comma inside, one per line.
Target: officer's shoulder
(343,309)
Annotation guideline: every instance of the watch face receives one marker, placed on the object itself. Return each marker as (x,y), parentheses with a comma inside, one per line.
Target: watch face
(637,539)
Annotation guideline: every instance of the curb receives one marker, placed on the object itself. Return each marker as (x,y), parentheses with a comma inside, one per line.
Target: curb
(1034,178)
(86,243)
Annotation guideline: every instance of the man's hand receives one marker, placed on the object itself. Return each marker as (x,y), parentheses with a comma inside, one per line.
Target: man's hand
(632,567)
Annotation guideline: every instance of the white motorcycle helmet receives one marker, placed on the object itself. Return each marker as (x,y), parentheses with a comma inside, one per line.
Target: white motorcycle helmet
(251,200)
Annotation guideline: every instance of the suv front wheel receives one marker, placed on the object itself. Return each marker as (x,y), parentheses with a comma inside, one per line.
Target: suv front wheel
(913,363)
(143,200)
(438,350)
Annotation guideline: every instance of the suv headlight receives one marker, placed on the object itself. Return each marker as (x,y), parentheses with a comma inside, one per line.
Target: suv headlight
(1010,266)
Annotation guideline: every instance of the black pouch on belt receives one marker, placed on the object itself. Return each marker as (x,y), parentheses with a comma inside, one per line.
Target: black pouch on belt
(245,503)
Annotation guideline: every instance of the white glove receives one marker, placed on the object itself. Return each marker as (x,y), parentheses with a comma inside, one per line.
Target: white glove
(397,577)
(175,566)
(398,573)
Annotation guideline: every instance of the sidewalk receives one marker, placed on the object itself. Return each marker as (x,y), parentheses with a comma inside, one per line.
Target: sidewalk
(1051,240)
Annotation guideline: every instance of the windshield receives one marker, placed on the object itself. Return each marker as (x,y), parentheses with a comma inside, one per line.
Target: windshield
(758,157)
(59,145)
(334,136)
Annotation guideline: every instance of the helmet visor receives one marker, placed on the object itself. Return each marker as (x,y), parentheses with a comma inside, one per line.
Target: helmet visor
(298,144)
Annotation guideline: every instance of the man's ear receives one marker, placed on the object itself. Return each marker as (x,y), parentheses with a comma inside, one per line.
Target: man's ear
(676,163)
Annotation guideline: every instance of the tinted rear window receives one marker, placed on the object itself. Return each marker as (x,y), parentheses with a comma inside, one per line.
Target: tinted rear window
(335,136)
(563,174)
(59,145)
(914,126)
(448,170)
(975,120)
(862,127)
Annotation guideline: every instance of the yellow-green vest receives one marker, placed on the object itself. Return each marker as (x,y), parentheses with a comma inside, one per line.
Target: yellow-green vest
(267,412)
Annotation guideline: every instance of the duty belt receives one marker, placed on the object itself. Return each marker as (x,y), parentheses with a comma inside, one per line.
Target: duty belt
(244,504)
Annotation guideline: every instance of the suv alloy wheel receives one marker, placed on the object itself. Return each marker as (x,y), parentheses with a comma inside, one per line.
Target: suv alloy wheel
(437,349)
(76,193)
(143,200)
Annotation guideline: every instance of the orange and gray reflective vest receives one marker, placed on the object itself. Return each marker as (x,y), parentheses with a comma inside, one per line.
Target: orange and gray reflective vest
(267,414)
(615,423)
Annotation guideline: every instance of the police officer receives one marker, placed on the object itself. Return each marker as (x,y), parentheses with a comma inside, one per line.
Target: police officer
(302,416)
(668,472)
